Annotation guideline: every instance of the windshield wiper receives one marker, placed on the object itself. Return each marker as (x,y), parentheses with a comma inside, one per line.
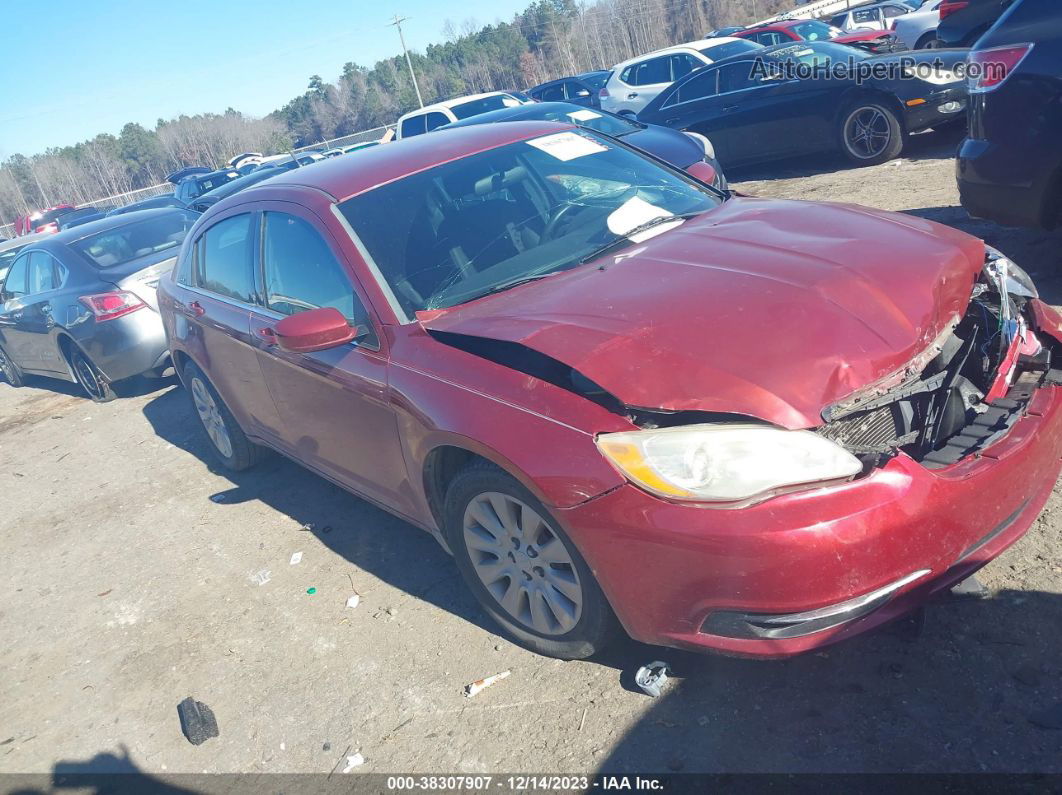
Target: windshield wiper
(625,239)
(502,286)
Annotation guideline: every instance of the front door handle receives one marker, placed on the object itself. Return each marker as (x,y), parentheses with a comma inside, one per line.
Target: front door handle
(267,335)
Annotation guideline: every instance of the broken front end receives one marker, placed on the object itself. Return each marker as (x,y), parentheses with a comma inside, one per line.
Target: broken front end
(967,389)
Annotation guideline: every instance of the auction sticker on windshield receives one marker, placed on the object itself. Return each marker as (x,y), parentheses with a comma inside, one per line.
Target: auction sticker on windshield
(583,115)
(567,145)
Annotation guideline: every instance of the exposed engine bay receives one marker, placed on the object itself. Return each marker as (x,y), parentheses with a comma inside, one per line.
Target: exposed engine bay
(968,388)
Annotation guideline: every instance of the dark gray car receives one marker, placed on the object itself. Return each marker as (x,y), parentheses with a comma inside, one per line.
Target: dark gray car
(80,305)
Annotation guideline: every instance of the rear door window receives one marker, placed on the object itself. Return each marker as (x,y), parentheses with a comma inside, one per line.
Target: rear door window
(894,11)
(553,93)
(435,120)
(653,71)
(43,274)
(699,87)
(682,64)
(15,284)
(223,259)
(414,125)
(869,16)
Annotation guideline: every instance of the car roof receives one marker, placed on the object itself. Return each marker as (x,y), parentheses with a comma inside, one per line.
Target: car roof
(105,224)
(449,103)
(696,44)
(343,177)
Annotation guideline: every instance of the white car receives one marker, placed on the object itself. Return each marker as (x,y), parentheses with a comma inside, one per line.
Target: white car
(918,30)
(431,117)
(870,17)
(635,83)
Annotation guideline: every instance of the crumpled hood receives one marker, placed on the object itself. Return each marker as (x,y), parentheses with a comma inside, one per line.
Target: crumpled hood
(767,308)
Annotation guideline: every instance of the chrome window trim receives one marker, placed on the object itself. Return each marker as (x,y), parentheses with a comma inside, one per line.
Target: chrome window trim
(218,297)
(374,269)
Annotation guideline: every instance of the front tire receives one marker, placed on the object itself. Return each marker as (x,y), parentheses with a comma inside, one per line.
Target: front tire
(522,568)
(11,371)
(89,377)
(870,133)
(227,440)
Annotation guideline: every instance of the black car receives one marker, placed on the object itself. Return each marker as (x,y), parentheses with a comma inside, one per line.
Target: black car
(580,89)
(167,200)
(796,99)
(82,215)
(196,185)
(201,203)
(1010,165)
(678,149)
(963,22)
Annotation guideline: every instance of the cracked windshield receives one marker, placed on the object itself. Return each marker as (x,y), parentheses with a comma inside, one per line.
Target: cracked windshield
(474,226)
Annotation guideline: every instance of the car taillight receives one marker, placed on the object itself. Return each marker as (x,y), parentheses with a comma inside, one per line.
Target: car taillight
(989,69)
(603,93)
(49,229)
(949,7)
(108,306)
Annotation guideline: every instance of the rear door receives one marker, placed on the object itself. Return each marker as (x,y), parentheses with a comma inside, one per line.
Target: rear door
(695,106)
(12,295)
(213,317)
(35,327)
(648,79)
(334,404)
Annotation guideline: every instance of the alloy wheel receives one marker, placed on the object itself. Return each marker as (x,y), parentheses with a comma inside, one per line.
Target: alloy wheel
(211,417)
(867,132)
(87,376)
(522,563)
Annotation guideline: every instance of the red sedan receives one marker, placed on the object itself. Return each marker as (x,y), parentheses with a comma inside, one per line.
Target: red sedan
(620,397)
(786,31)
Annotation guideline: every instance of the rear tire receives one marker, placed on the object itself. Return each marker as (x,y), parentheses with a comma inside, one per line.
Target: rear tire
(225,436)
(89,377)
(11,371)
(928,41)
(870,133)
(522,568)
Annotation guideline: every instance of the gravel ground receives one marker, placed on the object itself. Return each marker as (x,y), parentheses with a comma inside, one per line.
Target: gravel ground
(137,574)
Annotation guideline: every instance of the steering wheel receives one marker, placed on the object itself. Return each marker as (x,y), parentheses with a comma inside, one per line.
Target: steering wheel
(561,216)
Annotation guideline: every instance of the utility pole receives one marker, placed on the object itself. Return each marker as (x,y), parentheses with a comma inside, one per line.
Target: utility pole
(398,24)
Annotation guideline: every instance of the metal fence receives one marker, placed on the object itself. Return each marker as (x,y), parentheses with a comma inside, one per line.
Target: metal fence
(122,199)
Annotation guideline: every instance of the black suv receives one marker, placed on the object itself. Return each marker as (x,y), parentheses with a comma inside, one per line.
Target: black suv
(1010,165)
(963,22)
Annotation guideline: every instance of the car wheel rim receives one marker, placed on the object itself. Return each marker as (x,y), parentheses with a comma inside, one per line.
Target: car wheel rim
(867,132)
(6,367)
(210,415)
(522,563)
(86,376)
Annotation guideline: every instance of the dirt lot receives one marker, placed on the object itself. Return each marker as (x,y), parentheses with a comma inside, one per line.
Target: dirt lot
(136,574)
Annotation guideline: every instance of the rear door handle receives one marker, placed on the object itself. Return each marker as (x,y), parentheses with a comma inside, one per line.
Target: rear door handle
(193,309)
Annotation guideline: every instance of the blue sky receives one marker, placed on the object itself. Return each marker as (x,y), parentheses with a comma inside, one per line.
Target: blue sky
(81,68)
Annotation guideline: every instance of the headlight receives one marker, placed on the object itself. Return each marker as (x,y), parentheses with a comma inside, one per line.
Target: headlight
(1018,282)
(726,463)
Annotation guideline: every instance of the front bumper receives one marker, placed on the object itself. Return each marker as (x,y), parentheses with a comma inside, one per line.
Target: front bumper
(940,107)
(678,575)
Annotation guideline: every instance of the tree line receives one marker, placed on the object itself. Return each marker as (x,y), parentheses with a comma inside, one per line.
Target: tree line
(550,38)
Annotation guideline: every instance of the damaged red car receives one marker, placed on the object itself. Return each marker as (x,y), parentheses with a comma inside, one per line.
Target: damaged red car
(624,400)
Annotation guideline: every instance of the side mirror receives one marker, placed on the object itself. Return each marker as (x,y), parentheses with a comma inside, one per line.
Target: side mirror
(703,171)
(582,92)
(314,330)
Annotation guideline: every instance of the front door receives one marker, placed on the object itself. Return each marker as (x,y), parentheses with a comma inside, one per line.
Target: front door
(334,404)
